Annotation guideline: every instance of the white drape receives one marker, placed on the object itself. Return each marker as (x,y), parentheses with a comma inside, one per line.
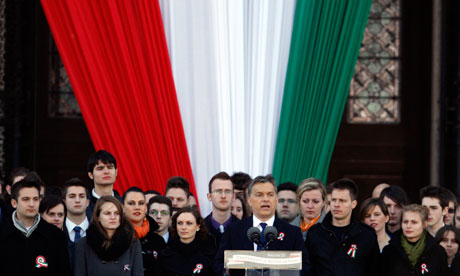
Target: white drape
(229,60)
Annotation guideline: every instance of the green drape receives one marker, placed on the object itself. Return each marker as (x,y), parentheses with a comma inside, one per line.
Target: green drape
(325,44)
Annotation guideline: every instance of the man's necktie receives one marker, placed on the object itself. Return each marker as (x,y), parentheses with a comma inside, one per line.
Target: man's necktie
(77,230)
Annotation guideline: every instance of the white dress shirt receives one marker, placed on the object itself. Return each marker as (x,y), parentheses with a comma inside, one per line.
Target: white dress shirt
(256,223)
(70,226)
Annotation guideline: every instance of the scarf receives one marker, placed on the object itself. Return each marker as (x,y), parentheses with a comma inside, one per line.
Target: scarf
(142,230)
(120,242)
(414,251)
(20,226)
(305,226)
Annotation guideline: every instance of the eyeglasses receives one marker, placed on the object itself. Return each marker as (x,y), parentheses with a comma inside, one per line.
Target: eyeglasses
(289,201)
(451,211)
(220,192)
(162,213)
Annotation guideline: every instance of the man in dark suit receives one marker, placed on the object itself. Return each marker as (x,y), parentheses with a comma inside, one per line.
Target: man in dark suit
(103,171)
(263,200)
(76,200)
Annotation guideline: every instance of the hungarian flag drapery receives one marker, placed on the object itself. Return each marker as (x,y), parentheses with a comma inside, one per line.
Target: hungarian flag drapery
(175,87)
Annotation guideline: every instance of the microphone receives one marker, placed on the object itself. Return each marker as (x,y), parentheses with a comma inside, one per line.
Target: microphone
(254,235)
(270,234)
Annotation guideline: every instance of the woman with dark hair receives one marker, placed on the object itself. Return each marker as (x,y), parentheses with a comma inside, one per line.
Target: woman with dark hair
(135,210)
(52,209)
(374,213)
(413,251)
(190,249)
(110,246)
(449,238)
(239,208)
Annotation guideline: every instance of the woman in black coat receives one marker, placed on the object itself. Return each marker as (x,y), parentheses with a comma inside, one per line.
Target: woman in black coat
(135,210)
(413,251)
(191,250)
(449,238)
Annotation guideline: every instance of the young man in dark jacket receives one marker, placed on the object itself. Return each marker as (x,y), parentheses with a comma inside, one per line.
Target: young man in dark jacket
(339,245)
(31,246)
(103,171)
(221,195)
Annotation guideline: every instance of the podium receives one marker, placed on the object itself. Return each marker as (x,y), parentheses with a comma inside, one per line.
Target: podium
(264,263)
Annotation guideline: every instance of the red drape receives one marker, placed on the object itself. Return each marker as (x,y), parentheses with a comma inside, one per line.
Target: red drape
(116,56)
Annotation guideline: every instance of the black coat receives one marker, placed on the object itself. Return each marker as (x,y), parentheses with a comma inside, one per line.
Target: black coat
(182,259)
(395,261)
(454,269)
(329,254)
(235,238)
(152,244)
(19,254)
(214,232)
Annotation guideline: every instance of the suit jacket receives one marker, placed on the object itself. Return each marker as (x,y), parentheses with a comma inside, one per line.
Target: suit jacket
(235,238)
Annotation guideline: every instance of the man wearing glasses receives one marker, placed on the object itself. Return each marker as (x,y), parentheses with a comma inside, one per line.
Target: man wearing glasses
(221,196)
(160,209)
(287,208)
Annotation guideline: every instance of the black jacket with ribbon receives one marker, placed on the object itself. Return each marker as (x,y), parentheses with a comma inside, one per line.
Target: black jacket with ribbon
(355,253)
(195,258)
(432,262)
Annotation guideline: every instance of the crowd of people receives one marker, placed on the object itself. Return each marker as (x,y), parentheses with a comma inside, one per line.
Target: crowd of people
(71,230)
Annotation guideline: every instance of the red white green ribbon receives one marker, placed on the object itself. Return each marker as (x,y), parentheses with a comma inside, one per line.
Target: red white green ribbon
(352,251)
(197,268)
(281,236)
(424,268)
(40,262)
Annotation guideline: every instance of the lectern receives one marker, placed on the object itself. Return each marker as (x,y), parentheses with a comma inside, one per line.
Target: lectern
(264,263)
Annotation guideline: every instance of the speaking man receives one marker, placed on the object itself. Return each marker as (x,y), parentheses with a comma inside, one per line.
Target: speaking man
(262,197)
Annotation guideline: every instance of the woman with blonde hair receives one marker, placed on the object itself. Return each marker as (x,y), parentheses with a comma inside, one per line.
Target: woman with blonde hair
(110,246)
(413,251)
(312,199)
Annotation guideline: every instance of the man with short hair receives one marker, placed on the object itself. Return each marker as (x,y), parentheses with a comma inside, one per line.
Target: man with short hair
(449,217)
(395,199)
(102,169)
(149,194)
(221,196)
(340,245)
(30,245)
(263,200)
(178,191)
(160,209)
(378,189)
(288,207)
(437,203)
(76,200)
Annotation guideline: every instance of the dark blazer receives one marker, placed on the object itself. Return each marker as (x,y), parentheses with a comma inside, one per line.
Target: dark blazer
(214,232)
(152,244)
(235,238)
(329,254)
(182,259)
(20,254)
(70,247)
(395,261)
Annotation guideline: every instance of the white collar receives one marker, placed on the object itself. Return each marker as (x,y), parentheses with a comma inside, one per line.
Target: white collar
(71,225)
(98,196)
(256,221)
